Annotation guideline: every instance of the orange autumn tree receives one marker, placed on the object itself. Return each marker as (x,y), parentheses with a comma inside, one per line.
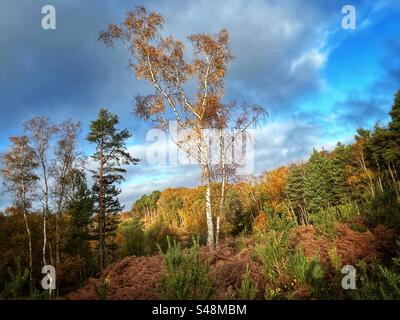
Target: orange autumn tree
(273,184)
(161,62)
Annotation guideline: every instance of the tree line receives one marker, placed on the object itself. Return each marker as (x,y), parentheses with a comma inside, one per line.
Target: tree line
(45,172)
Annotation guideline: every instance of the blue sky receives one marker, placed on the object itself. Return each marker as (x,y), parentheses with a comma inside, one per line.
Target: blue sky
(318,81)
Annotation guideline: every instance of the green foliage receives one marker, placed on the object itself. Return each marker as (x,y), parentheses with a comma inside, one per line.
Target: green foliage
(305,272)
(111,154)
(325,220)
(378,281)
(286,269)
(295,193)
(340,187)
(147,203)
(187,277)
(279,222)
(298,266)
(136,240)
(18,279)
(384,209)
(157,235)
(240,219)
(273,250)
(80,209)
(248,290)
(133,242)
(318,182)
(385,141)
(273,246)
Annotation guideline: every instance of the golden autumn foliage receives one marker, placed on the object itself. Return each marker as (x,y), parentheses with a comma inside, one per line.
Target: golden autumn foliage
(273,184)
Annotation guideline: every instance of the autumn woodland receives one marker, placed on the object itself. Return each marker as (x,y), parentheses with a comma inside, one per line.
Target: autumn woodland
(323,227)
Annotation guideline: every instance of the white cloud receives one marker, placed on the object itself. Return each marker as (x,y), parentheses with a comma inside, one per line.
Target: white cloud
(276,143)
(313,58)
(279,46)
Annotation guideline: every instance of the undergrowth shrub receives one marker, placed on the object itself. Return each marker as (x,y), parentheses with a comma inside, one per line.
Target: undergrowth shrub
(133,240)
(248,290)
(273,249)
(136,240)
(287,271)
(187,277)
(157,236)
(325,220)
(102,289)
(334,289)
(383,209)
(273,245)
(18,279)
(377,281)
(305,273)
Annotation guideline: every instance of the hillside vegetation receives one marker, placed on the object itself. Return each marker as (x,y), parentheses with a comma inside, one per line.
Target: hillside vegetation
(285,234)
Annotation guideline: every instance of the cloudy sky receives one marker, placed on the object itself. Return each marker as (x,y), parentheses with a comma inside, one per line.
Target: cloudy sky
(318,81)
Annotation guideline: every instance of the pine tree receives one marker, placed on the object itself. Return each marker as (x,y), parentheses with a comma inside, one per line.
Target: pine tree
(80,207)
(393,155)
(318,182)
(146,204)
(395,114)
(111,153)
(340,187)
(111,206)
(295,193)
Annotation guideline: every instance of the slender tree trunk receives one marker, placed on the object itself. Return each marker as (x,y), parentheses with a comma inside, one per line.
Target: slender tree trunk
(379,177)
(44,237)
(364,167)
(223,181)
(291,211)
(45,212)
(304,215)
(380,184)
(210,224)
(217,231)
(101,216)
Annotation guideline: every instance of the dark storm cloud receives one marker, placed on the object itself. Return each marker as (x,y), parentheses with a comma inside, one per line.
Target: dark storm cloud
(60,73)
(356,111)
(390,80)
(279,48)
